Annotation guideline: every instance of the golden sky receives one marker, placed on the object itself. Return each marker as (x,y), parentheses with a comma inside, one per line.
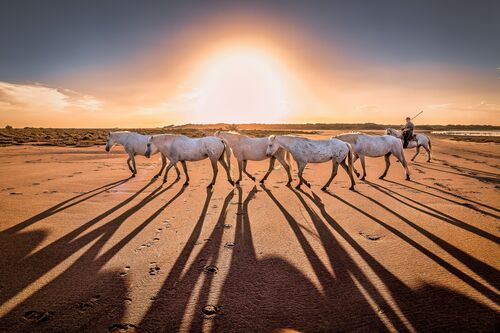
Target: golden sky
(249,68)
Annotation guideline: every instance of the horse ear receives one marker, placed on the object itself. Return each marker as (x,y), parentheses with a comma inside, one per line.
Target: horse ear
(272,137)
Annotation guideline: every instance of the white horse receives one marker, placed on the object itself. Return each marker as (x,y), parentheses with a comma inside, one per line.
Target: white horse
(375,146)
(247,148)
(134,144)
(305,151)
(181,148)
(421,140)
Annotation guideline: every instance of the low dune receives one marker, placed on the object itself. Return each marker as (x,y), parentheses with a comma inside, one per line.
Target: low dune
(86,248)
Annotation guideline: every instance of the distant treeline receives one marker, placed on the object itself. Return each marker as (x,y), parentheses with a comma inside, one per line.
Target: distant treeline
(339,126)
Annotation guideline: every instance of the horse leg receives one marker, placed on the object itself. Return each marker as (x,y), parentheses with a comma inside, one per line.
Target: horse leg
(349,172)
(300,167)
(133,163)
(335,168)
(362,159)
(246,172)
(428,153)
(354,159)
(129,166)
(169,166)
(226,167)
(418,151)
(163,165)
(269,170)
(178,172)
(184,167)
(401,157)
(216,170)
(240,171)
(387,164)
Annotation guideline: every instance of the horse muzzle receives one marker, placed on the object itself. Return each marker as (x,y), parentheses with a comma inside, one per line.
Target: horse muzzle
(147,154)
(107,149)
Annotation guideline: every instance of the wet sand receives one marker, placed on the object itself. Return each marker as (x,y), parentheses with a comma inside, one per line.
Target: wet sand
(85,248)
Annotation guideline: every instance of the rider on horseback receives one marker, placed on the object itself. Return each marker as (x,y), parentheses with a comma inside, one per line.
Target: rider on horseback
(407,132)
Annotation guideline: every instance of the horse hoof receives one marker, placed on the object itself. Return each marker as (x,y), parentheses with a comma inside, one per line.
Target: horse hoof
(133,175)
(185,184)
(231,182)
(323,189)
(210,186)
(253,178)
(308,185)
(381,177)
(362,178)
(297,187)
(408,178)
(352,188)
(261,181)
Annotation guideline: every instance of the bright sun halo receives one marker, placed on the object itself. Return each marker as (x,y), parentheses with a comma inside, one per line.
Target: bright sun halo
(241,85)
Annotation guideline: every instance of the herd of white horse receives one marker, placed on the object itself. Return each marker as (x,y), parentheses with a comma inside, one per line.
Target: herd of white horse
(343,150)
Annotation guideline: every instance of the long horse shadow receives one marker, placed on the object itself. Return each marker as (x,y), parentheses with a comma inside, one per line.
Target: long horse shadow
(61,295)
(38,263)
(171,302)
(347,274)
(472,262)
(450,200)
(423,309)
(64,205)
(434,212)
(484,270)
(484,179)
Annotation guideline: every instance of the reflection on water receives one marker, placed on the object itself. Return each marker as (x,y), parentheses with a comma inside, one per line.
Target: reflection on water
(468,133)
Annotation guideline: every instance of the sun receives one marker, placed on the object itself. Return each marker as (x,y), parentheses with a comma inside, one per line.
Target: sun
(241,85)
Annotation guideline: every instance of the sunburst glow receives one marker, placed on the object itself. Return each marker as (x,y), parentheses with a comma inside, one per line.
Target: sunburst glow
(241,85)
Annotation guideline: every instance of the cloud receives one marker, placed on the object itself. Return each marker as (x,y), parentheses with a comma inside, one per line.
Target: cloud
(37,97)
(479,107)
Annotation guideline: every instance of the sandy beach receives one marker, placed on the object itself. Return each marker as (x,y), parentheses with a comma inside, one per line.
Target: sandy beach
(86,248)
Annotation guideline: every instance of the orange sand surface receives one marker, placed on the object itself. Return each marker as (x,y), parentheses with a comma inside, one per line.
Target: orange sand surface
(86,248)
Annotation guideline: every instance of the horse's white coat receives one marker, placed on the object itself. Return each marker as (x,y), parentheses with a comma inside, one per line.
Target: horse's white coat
(305,151)
(134,144)
(254,149)
(422,140)
(182,148)
(375,146)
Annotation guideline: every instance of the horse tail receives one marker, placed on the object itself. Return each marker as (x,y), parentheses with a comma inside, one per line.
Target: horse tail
(227,151)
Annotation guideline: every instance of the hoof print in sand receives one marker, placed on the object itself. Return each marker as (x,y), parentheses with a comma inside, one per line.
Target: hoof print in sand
(211,311)
(34,316)
(370,237)
(230,245)
(123,328)
(84,306)
(154,269)
(211,269)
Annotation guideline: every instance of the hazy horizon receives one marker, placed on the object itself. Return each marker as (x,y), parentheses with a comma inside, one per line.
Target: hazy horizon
(89,65)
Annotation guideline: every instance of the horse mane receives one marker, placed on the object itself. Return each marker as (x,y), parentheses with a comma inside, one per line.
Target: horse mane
(351,137)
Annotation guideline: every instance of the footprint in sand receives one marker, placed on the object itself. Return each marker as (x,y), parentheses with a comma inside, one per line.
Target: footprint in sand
(7,189)
(211,311)
(35,184)
(370,236)
(15,193)
(123,328)
(212,269)
(154,269)
(125,272)
(230,245)
(84,306)
(34,316)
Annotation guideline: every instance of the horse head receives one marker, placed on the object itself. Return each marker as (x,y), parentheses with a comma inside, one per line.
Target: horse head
(273,146)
